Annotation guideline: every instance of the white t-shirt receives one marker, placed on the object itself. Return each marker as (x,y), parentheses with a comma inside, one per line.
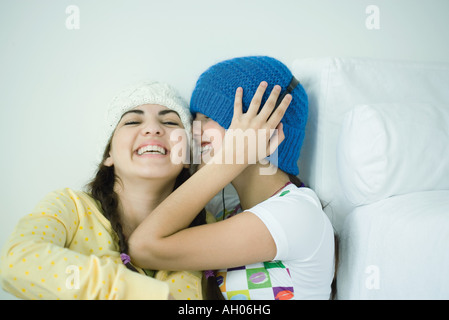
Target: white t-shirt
(304,264)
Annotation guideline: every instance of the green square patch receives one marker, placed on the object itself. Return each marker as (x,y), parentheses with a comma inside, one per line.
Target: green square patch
(274,264)
(258,278)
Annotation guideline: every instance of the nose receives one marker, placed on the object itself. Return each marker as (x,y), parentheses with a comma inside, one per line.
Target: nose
(197,129)
(153,128)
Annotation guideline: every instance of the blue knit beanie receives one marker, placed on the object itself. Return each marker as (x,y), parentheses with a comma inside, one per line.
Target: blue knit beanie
(214,95)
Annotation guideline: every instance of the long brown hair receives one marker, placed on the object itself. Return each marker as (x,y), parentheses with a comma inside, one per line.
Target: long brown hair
(102,189)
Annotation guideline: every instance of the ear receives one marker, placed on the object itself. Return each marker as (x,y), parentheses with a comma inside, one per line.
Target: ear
(108,162)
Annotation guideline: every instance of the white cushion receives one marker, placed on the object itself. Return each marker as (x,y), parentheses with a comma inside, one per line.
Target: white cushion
(396,248)
(392,149)
(334,87)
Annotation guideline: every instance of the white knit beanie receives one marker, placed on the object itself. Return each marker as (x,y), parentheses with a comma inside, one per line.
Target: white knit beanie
(148,93)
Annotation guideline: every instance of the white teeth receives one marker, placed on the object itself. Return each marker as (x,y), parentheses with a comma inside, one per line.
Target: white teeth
(151,149)
(205,148)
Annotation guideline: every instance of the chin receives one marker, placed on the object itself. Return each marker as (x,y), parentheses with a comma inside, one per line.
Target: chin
(161,172)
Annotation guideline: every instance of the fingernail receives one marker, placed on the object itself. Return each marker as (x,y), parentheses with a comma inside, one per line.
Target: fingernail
(264,84)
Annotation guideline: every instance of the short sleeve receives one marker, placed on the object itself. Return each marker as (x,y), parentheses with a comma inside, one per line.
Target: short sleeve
(296,222)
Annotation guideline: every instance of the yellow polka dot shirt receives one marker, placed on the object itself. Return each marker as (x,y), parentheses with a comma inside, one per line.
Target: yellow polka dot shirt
(66,249)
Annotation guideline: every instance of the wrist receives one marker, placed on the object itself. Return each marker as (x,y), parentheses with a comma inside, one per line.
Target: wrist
(221,172)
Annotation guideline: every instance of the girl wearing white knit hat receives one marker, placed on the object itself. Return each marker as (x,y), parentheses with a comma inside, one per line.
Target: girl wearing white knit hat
(73,245)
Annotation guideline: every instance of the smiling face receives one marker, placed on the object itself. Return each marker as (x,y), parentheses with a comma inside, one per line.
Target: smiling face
(208,138)
(142,146)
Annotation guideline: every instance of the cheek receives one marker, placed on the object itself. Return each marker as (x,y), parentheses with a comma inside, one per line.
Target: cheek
(215,134)
(122,140)
(179,147)
(120,145)
(213,129)
(178,137)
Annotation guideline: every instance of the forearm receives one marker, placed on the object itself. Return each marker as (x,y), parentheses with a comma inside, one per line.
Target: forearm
(178,210)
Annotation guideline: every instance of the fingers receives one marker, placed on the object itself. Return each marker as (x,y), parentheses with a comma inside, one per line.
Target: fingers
(262,123)
(238,104)
(257,99)
(269,114)
(276,139)
(278,114)
(270,103)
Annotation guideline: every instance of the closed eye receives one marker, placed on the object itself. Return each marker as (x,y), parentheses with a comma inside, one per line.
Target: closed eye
(171,123)
(131,122)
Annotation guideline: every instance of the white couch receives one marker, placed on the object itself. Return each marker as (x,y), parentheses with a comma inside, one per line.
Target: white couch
(376,151)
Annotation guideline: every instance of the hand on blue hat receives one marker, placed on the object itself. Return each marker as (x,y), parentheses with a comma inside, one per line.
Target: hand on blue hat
(214,91)
(254,135)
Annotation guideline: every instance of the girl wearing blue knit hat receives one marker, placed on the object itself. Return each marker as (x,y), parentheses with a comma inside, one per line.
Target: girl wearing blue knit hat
(278,244)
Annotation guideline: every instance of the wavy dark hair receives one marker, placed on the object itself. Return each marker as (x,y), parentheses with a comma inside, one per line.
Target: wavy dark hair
(101,189)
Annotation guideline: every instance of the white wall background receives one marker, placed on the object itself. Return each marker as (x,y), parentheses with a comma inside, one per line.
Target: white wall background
(56,83)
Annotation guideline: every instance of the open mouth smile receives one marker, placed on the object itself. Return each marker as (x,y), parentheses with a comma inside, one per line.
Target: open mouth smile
(151,149)
(205,147)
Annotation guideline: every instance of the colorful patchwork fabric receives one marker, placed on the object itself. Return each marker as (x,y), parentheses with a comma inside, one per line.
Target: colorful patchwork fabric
(259,281)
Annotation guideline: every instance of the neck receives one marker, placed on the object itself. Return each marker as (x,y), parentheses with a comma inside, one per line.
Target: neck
(254,187)
(138,200)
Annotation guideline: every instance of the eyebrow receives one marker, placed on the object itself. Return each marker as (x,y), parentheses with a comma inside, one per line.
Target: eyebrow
(164,112)
(132,111)
(141,112)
